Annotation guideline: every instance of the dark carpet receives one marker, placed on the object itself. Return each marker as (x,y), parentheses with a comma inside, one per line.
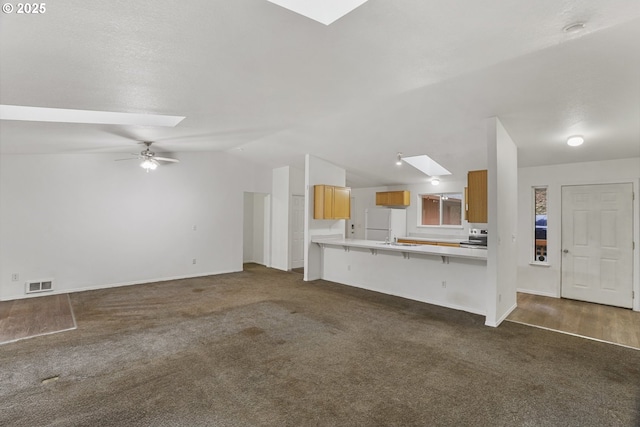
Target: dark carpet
(264,348)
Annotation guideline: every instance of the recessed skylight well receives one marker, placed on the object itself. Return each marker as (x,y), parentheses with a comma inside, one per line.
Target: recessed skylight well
(426,165)
(62,115)
(323,11)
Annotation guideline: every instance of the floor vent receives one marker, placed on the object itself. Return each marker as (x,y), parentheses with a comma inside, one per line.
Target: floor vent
(42,286)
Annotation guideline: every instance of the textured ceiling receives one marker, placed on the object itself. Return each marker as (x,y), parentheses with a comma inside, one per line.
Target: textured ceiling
(412,76)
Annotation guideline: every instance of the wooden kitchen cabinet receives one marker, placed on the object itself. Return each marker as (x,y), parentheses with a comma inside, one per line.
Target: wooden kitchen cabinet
(331,202)
(477,197)
(393,198)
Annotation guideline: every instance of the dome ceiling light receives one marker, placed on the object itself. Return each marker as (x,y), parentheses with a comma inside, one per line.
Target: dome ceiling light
(574,141)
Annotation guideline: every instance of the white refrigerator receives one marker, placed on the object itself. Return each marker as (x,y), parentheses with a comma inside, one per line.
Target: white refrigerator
(385,224)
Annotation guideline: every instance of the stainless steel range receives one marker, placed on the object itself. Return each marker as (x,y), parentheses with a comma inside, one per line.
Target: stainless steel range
(477,239)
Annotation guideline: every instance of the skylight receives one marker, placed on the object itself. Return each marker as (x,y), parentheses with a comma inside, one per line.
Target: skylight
(426,165)
(323,11)
(61,115)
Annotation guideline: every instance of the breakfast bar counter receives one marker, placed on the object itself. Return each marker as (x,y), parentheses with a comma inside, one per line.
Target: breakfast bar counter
(447,276)
(445,251)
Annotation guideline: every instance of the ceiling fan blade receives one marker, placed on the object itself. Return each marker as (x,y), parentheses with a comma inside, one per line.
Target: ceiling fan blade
(130,158)
(166,159)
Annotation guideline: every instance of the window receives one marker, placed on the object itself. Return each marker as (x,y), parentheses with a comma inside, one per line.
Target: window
(540,224)
(440,209)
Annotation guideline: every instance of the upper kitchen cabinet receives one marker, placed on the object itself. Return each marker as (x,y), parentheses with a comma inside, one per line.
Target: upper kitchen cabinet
(393,198)
(331,202)
(477,196)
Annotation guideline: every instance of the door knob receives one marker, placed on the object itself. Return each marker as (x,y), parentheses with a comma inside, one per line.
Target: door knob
(566,251)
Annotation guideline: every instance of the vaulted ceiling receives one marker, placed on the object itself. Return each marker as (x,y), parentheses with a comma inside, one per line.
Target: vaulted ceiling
(269,85)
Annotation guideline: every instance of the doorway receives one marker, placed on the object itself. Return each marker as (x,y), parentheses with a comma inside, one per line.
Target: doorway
(256,228)
(597,243)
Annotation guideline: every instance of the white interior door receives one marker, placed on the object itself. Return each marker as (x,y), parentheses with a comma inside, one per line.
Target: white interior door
(297,231)
(597,243)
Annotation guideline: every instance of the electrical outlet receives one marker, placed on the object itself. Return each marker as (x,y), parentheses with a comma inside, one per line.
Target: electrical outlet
(348,268)
(15,277)
(194,228)
(193,261)
(444,283)
(499,297)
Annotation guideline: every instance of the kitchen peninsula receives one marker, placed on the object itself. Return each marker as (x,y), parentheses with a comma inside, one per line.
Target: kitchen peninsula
(447,276)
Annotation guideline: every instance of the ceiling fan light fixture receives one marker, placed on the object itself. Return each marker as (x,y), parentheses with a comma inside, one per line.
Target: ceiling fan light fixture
(399,159)
(148,164)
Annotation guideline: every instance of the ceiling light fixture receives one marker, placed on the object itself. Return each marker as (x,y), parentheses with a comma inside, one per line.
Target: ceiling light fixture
(574,141)
(399,159)
(572,28)
(435,181)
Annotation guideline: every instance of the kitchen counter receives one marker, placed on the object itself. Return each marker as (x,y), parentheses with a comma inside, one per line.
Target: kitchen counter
(443,251)
(447,276)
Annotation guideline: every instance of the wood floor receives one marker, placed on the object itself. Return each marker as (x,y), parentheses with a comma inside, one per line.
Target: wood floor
(32,317)
(600,322)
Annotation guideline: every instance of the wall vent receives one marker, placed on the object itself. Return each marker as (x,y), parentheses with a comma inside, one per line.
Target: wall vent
(39,286)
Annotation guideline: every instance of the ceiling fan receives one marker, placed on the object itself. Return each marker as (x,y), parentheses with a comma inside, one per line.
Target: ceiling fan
(149,159)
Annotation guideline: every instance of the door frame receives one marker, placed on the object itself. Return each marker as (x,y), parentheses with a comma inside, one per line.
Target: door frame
(636,231)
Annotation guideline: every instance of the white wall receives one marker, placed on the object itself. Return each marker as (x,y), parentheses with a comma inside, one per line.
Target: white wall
(90,222)
(546,280)
(296,181)
(318,171)
(503,211)
(296,188)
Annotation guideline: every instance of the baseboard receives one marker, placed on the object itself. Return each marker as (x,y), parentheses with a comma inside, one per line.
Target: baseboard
(116,285)
(502,318)
(540,293)
(513,307)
